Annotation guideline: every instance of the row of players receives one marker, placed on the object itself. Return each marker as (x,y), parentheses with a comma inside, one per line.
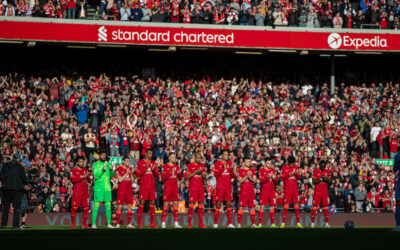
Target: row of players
(223,170)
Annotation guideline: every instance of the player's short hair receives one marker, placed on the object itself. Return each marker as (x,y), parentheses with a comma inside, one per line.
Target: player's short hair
(148,150)
(291,159)
(102,151)
(322,163)
(124,158)
(79,158)
(268,159)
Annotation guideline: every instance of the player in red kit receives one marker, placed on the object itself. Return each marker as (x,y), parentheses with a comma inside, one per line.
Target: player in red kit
(146,171)
(124,176)
(170,175)
(80,196)
(224,172)
(290,174)
(246,178)
(321,179)
(268,180)
(196,174)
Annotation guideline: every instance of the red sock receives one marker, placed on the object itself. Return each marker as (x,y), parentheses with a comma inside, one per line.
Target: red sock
(326,214)
(190,213)
(272,215)
(297,213)
(200,212)
(73,216)
(313,214)
(229,215)
(260,216)
(176,214)
(118,213)
(85,216)
(152,214)
(139,214)
(253,217)
(284,214)
(216,215)
(164,213)
(129,214)
(239,216)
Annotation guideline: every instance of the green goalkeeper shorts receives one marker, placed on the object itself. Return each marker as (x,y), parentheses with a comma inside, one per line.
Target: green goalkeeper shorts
(102,196)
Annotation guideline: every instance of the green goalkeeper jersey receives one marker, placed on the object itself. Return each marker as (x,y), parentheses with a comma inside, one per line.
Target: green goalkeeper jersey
(102,178)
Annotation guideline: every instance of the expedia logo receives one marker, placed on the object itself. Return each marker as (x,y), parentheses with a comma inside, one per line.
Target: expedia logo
(336,41)
(102,34)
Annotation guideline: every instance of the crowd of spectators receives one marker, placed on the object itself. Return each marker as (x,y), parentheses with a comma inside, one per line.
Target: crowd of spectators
(47,122)
(382,14)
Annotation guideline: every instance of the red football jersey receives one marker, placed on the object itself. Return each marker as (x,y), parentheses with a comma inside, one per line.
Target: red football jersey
(290,182)
(126,184)
(266,180)
(224,173)
(318,174)
(170,181)
(146,173)
(80,181)
(247,185)
(196,182)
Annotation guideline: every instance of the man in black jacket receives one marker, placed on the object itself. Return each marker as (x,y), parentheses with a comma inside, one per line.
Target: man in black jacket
(13,181)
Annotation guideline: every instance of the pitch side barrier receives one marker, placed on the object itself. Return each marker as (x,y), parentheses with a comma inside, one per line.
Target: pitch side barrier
(231,37)
(372,220)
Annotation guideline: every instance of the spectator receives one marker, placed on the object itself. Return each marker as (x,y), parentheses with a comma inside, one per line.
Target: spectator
(156,13)
(136,13)
(327,22)
(103,4)
(50,202)
(348,21)
(312,20)
(259,17)
(293,16)
(244,15)
(175,12)
(269,18)
(81,10)
(303,18)
(359,20)
(278,17)
(125,12)
(10,10)
(146,14)
(360,194)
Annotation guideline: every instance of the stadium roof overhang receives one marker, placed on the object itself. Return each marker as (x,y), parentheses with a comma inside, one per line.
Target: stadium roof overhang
(170,37)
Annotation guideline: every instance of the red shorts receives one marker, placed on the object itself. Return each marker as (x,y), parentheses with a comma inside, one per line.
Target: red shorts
(291,196)
(224,195)
(196,195)
(267,197)
(170,195)
(247,199)
(124,198)
(321,198)
(80,200)
(147,194)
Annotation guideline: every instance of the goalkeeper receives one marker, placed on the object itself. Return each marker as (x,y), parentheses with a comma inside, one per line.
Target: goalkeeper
(102,172)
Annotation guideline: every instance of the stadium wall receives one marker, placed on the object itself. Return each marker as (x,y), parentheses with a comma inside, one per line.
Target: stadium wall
(192,35)
(371,220)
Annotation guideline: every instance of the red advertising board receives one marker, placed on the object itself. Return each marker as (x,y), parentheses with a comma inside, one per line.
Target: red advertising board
(198,36)
(64,219)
